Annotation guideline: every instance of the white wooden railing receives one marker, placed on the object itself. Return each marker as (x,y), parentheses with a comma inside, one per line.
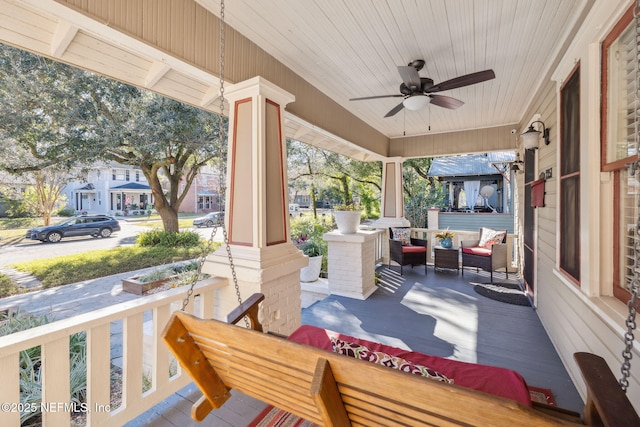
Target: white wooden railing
(379,247)
(53,340)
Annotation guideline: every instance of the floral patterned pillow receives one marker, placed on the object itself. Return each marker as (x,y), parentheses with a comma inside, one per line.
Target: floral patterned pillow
(361,352)
(402,234)
(489,237)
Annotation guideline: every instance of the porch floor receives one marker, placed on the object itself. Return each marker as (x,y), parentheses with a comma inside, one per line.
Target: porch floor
(438,314)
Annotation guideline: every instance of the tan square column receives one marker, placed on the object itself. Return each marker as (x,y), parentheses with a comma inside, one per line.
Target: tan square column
(257,208)
(392,207)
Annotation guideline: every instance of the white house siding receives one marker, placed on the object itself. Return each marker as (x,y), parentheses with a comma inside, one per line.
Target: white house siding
(584,318)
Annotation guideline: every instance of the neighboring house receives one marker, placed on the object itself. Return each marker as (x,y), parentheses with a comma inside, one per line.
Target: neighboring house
(123,190)
(476,183)
(204,193)
(110,189)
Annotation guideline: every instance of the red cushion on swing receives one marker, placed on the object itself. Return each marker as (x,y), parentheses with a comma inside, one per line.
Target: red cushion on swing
(489,379)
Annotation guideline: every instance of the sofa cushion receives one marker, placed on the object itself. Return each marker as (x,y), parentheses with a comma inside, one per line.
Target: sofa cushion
(403,234)
(489,237)
(364,353)
(477,251)
(413,249)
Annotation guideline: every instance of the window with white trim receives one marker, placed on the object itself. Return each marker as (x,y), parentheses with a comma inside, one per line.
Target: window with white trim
(618,123)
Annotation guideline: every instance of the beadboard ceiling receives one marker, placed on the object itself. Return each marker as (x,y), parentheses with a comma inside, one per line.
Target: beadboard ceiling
(341,49)
(351,49)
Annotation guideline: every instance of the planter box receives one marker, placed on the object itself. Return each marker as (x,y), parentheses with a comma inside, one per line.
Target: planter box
(134,286)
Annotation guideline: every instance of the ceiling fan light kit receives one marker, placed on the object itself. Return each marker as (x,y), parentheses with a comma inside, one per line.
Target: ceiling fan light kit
(418,91)
(531,137)
(416,102)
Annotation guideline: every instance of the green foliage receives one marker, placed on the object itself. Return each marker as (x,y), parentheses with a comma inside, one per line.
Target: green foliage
(65,212)
(7,287)
(18,208)
(31,364)
(306,234)
(312,248)
(348,207)
(185,239)
(54,114)
(93,264)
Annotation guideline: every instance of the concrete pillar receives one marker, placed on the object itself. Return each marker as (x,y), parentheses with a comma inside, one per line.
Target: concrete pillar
(257,209)
(351,265)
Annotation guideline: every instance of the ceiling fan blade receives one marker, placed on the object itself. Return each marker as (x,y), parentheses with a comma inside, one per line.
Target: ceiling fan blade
(446,101)
(395,110)
(410,77)
(377,97)
(466,80)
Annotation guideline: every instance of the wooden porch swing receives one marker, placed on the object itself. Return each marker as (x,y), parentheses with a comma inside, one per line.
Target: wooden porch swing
(333,390)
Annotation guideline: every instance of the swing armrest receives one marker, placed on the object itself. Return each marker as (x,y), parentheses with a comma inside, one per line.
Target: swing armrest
(248,308)
(607,404)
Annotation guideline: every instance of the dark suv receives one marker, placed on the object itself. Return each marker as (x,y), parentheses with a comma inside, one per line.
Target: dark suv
(86,225)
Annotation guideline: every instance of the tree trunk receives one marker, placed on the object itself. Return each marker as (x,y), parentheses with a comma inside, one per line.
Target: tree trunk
(169,218)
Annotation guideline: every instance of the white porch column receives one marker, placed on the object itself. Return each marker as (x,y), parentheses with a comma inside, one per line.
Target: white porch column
(257,208)
(392,206)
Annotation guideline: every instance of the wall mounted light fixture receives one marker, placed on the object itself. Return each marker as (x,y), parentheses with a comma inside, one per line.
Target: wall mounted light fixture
(531,137)
(517,165)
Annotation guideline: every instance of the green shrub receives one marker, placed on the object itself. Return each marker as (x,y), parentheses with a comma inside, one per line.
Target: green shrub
(65,212)
(185,239)
(7,287)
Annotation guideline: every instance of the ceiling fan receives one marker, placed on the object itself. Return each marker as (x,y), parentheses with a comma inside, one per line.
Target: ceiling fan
(419,91)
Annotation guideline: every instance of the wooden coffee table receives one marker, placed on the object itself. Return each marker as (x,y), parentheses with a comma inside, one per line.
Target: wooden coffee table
(446,258)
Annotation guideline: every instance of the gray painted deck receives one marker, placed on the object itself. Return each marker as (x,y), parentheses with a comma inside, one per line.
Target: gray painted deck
(438,314)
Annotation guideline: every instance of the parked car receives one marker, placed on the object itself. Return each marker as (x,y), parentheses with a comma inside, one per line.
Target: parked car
(209,219)
(85,225)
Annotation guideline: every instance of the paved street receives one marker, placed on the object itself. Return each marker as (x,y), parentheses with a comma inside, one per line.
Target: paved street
(28,250)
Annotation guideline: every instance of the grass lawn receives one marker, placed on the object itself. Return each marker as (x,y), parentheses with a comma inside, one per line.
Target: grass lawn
(90,265)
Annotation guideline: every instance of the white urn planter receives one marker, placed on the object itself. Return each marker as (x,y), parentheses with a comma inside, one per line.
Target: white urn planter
(311,273)
(347,221)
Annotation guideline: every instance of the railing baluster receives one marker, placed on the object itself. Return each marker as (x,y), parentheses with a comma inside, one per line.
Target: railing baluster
(10,390)
(132,360)
(98,374)
(55,383)
(160,369)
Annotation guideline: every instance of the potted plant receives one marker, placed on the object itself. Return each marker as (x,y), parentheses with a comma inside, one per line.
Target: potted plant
(315,251)
(347,217)
(445,238)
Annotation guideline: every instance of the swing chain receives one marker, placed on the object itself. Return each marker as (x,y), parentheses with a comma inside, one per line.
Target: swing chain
(222,189)
(634,169)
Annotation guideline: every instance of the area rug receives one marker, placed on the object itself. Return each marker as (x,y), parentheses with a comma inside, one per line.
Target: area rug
(274,417)
(542,395)
(509,293)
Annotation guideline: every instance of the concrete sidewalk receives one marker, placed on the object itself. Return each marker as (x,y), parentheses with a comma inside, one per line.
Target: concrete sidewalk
(70,300)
